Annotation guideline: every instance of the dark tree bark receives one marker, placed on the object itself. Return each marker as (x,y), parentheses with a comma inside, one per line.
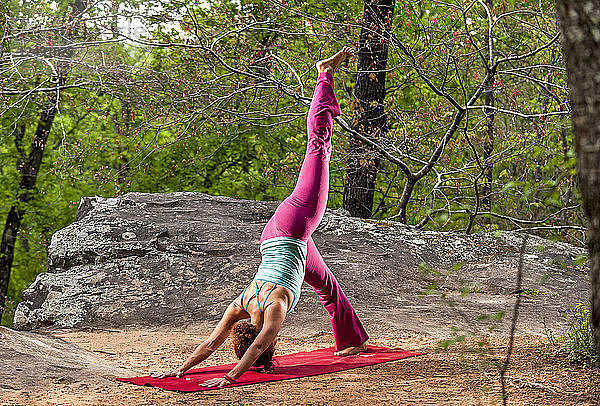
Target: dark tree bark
(580,26)
(405,197)
(488,140)
(28,169)
(369,116)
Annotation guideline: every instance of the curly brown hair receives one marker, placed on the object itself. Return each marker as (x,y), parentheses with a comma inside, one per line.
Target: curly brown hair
(243,336)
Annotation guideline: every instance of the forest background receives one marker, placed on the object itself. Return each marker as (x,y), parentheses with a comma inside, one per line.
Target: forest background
(455,113)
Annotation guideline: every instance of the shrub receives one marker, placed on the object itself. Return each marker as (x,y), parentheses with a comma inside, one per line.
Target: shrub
(578,340)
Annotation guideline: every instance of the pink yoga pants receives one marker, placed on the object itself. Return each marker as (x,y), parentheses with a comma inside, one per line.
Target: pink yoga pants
(300,214)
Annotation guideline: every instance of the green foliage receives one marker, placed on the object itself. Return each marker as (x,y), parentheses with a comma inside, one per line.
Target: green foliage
(533,168)
(577,341)
(580,260)
(457,338)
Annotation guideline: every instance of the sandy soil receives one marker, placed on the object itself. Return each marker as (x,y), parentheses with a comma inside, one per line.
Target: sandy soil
(465,374)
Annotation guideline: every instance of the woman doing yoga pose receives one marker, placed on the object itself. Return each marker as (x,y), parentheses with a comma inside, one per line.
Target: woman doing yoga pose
(289,256)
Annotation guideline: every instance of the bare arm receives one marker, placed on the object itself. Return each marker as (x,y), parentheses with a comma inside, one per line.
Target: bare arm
(231,316)
(274,317)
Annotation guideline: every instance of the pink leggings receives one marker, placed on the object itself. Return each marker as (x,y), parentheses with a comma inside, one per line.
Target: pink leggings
(301,212)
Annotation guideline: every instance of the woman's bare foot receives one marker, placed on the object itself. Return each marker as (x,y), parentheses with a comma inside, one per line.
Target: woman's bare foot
(330,65)
(351,350)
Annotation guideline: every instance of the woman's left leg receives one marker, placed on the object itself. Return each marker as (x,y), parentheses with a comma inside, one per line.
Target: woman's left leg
(299,214)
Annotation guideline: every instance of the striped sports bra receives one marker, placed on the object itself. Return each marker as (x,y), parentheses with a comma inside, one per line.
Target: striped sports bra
(255,295)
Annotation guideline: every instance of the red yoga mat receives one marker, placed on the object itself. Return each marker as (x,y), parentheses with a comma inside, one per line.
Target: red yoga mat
(290,366)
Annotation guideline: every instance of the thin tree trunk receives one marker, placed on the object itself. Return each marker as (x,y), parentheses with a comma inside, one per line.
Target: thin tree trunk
(369,116)
(28,171)
(580,25)
(405,198)
(488,141)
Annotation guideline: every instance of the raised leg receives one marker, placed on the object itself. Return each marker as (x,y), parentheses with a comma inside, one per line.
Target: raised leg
(349,333)
(299,214)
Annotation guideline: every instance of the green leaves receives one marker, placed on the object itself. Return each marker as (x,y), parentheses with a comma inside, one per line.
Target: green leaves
(580,260)
(578,339)
(498,316)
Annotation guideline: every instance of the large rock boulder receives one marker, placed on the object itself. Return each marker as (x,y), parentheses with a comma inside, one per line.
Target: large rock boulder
(31,360)
(179,258)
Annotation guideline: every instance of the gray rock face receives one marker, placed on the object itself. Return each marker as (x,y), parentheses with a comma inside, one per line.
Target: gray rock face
(30,360)
(176,259)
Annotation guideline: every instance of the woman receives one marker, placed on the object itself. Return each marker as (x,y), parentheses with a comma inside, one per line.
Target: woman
(289,256)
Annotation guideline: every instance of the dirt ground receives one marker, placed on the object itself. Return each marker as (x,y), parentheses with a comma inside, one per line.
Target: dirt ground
(465,374)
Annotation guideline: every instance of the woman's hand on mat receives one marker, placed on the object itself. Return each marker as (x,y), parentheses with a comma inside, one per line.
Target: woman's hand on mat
(215,383)
(177,373)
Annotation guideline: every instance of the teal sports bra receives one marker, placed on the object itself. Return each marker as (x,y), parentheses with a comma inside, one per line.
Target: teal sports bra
(255,295)
(283,263)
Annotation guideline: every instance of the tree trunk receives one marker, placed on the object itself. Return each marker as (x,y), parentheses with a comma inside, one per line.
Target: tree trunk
(28,169)
(488,140)
(580,25)
(369,116)
(405,198)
